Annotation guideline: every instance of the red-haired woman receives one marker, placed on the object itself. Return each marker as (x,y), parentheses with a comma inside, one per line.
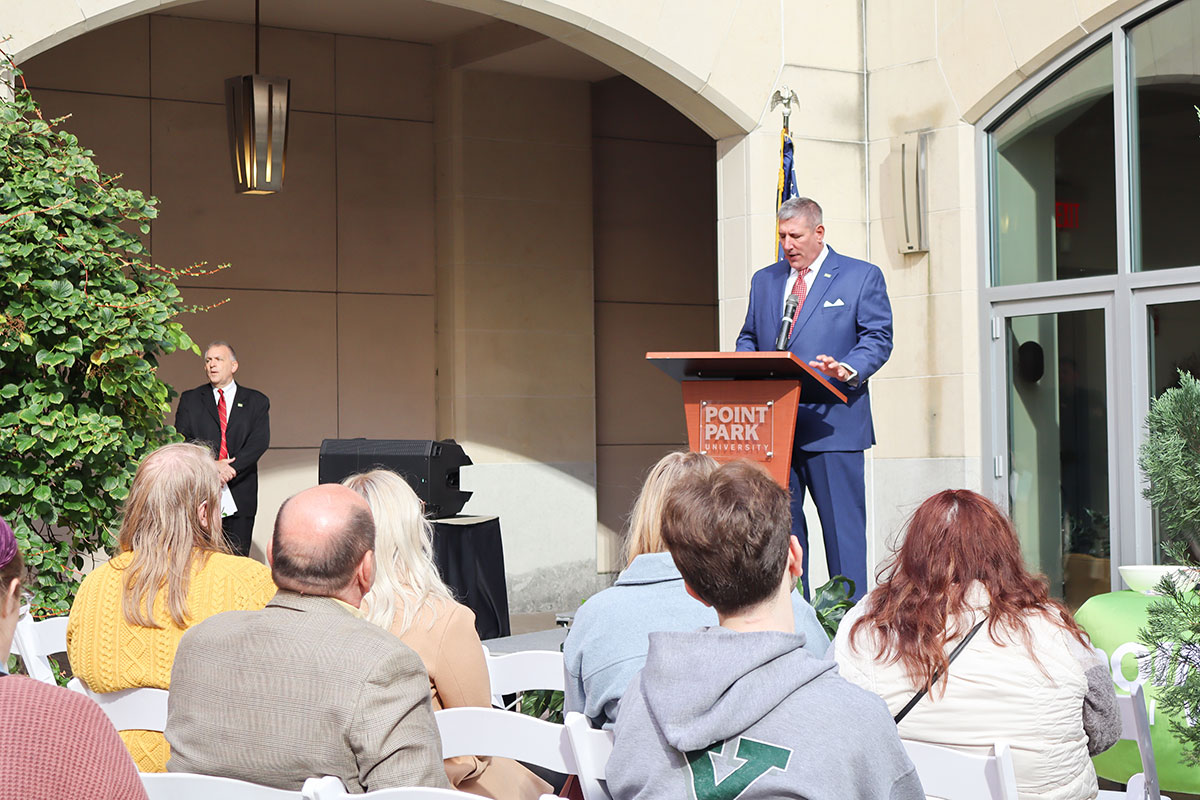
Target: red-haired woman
(1030,678)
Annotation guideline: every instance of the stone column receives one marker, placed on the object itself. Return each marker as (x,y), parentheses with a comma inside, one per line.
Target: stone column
(515,332)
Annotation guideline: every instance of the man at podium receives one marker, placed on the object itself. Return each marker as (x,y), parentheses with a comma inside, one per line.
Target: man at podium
(843,329)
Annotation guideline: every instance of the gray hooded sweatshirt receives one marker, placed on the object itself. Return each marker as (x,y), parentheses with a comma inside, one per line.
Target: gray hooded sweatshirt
(718,715)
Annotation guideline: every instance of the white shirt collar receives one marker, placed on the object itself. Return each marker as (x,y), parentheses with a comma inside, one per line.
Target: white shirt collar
(229,390)
(815,266)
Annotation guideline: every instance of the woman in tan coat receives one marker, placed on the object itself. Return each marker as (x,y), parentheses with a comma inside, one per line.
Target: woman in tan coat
(410,599)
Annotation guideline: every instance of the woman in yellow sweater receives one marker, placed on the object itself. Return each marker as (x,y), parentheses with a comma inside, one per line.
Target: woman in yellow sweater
(410,599)
(173,571)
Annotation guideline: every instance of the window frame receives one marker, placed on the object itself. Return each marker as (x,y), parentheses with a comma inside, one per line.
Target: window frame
(1125,297)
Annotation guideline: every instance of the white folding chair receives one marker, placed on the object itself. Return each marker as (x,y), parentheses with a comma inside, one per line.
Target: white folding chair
(143,709)
(185,786)
(35,641)
(493,732)
(331,788)
(591,748)
(525,671)
(529,669)
(955,775)
(1135,726)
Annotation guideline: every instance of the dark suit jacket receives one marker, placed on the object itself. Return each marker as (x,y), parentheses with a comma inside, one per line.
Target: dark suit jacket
(301,688)
(846,315)
(247,435)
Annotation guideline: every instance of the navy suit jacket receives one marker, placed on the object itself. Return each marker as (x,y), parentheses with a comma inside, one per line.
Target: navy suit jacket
(247,435)
(846,315)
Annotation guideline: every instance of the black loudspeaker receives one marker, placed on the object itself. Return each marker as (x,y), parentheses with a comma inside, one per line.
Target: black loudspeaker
(431,468)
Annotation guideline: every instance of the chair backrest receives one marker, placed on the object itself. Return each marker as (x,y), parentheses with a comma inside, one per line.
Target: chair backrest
(34,641)
(1135,726)
(185,786)
(527,670)
(492,732)
(956,775)
(591,748)
(331,788)
(142,709)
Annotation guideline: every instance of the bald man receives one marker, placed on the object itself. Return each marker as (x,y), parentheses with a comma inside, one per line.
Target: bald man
(306,687)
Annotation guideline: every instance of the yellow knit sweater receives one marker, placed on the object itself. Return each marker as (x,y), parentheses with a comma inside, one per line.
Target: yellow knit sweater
(109,653)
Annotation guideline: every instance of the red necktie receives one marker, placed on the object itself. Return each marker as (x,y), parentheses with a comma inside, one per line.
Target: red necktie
(800,290)
(223,416)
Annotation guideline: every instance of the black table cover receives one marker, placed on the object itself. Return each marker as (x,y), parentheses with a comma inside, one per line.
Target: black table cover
(470,556)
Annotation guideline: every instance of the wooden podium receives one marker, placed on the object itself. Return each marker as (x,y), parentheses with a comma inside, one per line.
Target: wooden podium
(743,405)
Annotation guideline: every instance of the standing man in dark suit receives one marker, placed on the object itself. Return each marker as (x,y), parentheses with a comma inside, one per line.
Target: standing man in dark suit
(235,423)
(843,329)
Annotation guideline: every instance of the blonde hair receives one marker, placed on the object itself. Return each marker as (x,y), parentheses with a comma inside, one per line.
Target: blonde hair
(406,579)
(645,519)
(161,526)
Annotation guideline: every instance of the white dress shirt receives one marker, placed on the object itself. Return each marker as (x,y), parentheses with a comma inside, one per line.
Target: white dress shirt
(814,269)
(230,392)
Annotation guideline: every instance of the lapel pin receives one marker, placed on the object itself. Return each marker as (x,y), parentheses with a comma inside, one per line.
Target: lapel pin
(239,405)
(827,275)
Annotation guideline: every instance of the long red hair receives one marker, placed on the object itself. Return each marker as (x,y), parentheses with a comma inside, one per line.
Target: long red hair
(955,538)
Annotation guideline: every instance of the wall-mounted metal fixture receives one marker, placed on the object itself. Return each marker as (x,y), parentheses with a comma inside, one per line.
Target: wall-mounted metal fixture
(257,108)
(912,153)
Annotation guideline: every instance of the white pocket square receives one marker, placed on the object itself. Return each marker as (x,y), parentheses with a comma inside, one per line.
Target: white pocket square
(834,304)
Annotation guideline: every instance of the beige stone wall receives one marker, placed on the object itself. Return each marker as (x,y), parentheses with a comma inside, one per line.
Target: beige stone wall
(515,330)
(656,289)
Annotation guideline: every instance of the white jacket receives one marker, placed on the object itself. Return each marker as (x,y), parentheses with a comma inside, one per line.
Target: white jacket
(996,693)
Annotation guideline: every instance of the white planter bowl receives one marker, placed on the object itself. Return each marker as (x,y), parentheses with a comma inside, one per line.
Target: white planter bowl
(1144,577)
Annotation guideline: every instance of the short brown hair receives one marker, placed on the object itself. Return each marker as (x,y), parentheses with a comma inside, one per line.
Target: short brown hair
(728,533)
(329,568)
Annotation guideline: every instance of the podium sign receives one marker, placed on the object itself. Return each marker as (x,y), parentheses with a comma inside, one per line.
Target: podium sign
(743,405)
(743,419)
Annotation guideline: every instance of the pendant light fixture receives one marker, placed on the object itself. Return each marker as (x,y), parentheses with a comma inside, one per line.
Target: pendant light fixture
(257,108)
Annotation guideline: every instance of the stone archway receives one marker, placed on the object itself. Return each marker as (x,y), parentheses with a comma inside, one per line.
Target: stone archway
(695,62)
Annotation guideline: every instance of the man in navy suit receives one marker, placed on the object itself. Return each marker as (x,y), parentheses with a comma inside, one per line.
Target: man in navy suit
(843,329)
(234,421)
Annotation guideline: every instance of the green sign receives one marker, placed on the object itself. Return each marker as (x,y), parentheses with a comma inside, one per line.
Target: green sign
(1112,621)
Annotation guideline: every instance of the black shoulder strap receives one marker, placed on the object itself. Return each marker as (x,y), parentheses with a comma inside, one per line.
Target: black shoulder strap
(916,698)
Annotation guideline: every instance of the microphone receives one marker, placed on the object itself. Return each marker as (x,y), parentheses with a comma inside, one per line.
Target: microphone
(785,325)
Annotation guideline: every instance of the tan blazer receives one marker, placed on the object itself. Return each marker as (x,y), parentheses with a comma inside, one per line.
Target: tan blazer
(301,688)
(458,676)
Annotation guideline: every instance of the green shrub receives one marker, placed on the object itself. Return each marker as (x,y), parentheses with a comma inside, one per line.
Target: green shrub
(1170,461)
(84,316)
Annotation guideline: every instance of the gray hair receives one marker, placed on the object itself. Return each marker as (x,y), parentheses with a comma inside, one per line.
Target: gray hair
(800,207)
(220,343)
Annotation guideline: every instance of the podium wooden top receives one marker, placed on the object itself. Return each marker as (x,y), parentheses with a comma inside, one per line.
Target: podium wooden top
(767,365)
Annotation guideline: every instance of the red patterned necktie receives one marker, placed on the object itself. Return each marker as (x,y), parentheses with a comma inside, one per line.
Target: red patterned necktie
(800,290)
(223,416)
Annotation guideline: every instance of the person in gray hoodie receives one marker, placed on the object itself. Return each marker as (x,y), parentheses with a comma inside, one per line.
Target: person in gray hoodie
(607,643)
(742,710)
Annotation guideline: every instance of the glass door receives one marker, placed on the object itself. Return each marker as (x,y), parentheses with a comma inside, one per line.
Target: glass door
(1056,475)
(1169,337)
